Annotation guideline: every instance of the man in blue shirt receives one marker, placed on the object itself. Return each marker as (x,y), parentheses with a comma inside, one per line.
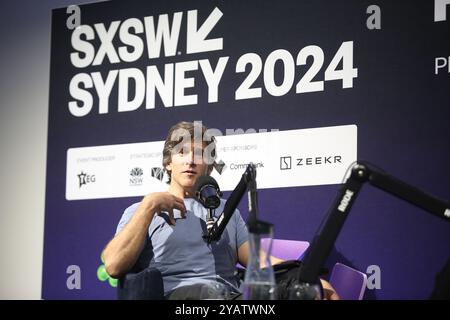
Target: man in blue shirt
(180,253)
(165,229)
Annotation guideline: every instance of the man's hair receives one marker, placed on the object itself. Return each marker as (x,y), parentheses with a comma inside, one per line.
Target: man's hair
(179,132)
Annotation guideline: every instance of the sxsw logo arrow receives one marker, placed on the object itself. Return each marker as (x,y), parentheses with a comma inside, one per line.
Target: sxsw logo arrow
(196,38)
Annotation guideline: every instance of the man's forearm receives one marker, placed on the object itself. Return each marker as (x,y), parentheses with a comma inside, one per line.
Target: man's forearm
(123,250)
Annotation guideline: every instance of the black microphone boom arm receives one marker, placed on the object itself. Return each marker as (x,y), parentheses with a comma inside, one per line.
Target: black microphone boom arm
(247,180)
(328,232)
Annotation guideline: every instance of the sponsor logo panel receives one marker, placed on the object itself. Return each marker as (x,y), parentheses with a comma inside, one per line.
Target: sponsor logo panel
(291,158)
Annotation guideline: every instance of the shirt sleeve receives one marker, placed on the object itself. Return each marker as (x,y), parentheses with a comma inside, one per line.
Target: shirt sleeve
(126,216)
(241,229)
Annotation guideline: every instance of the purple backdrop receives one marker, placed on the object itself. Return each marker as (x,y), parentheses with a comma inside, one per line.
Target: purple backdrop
(397,101)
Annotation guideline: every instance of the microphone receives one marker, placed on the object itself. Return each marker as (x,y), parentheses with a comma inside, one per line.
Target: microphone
(232,203)
(329,230)
(208,194)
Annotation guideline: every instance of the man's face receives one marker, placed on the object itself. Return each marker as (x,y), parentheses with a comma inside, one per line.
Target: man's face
(187,165)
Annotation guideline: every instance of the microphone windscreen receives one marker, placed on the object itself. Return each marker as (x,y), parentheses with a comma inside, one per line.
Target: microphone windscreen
(207,192)
(203,181)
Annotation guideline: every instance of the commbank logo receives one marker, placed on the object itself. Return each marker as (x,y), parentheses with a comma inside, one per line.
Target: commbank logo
(84,178)
(243,166)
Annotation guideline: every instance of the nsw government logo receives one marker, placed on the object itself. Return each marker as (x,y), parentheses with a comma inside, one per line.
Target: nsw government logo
(136,176)
(84,178)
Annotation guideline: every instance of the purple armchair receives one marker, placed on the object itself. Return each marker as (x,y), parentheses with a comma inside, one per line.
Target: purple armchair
(349,283)
(286,249)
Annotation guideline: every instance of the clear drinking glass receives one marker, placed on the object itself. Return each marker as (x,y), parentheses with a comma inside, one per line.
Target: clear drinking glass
(259,282)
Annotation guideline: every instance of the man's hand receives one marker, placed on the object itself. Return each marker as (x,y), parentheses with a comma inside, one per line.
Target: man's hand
(165,202)
(328,291)
(123,250)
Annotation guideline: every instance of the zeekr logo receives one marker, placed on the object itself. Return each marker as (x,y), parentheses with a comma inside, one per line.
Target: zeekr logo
(285,163)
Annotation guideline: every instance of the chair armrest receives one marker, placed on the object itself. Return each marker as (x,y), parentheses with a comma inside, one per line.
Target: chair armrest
(144,285)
